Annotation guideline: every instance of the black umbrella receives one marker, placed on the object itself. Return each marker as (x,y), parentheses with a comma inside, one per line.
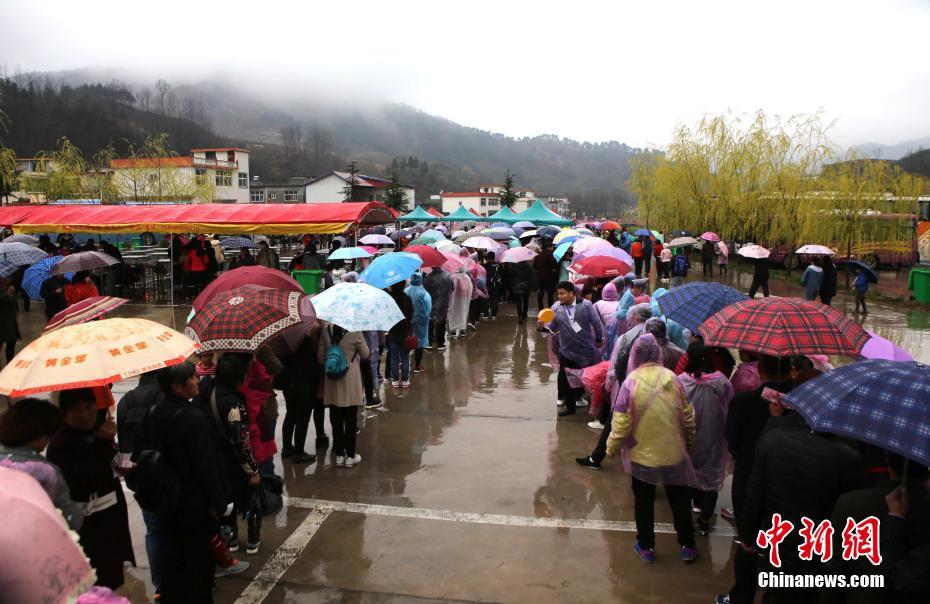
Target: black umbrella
(548,232)
(870,275)
(679,233)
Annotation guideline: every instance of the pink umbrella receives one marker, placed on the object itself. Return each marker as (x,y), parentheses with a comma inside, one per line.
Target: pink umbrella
(880,348)
(587,244)
(712,237)
(453,262)
(370,249)
(612,252)
(723,249)
(49,565)
(518,254)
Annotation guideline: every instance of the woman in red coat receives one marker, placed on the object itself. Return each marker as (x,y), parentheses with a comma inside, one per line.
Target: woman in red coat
(81,288)
(258,389)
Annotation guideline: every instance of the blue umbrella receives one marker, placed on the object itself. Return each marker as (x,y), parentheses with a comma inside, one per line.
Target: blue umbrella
(692,303)
(36,275)
(525,224)
(870,275)
(500,225)
(500,233)
(238,242)
(357,307)
(432,235)
(885,403)
(643,233)
(560,251)
(385,271)
(348,253)
(548,232)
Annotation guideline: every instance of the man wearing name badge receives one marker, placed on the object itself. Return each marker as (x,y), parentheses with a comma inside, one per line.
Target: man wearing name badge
(579,333)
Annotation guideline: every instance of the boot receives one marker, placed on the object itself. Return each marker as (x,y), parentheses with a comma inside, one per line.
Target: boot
(254,521)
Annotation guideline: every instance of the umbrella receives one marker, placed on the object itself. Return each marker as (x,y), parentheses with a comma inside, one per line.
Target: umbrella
(376,240)
(367,248)
(8,268)
(566,235)
(239,242)
(49,565)
(20,254)
(682,242)
(500,233)
(710,236)
(36,275)
(870,274)
(442,229)
(83,261)
(397,234)
(692,303)
(784,326)
(457,234)
(610,225)
(448,246)
(514,243)
(350,253)
(389,269)
(287,341)
(469,224)
(612,252)
(600,266)
(753,251)
(84,311)
(453,261)
(27,239)
(815,250)
(526,234)
(518,254)
(879,402)
(879,348)
(93,354)
(357,307)
(243,319)
(561,249)
(524,224)
(659,236)
(643,233)
(377,230)
(430,256)
(423,241)
(587,244)
(584,231)
(548,231)
(342,240)
(681,233)
(434,235)
(246,275)
(480,243)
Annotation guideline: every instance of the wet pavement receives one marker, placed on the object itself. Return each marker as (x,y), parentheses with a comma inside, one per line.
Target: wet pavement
(468,491)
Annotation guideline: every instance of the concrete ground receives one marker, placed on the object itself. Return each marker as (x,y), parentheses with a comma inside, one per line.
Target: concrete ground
(468,491)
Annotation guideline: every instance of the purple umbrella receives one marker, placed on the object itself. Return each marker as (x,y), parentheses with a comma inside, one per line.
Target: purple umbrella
(613,252)
(880,348)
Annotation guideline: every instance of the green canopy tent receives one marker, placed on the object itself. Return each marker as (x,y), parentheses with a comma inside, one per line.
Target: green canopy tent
(539,215)
(418,215)
(459,215)
(504,214)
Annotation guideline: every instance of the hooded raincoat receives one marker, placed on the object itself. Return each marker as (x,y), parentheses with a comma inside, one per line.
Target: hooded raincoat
(461,300)
(653,422)
(422,307)
(579,346)
(439,285)
(710,395)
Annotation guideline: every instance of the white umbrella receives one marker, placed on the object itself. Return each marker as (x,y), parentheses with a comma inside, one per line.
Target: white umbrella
(376,240)
(815,250)
(448,246)
(27,239)
(753,251)
(480,243)
(682,242)
(357,307)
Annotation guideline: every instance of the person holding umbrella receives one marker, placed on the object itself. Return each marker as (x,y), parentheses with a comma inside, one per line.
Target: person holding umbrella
(9,322)
(547,274)
(53,292)
(812,279)
(422,307)
(679,269)
(861,285)
(82,287)
(828,286)
(439,286)
(343,393)
(244,258)
(708,254)
(760,277)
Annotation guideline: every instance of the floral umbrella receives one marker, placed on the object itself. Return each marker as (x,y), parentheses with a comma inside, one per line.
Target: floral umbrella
(357,307)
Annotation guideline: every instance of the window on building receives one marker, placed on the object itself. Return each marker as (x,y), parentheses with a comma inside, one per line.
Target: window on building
(272,196)
(223,178)
(243,180)
(200,175)
(292,195)
(257,196)
(484,201)
(210,154)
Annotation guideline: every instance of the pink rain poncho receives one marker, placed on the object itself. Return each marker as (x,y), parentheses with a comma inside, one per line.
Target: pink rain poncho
(606,307)
(746,377)
(710,395)
(652,422)
(461,299)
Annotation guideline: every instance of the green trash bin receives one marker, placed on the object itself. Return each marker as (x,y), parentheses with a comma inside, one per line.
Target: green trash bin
(919,282)
(310,280)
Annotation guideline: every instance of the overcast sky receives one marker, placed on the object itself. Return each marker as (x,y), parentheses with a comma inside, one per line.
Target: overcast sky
(628,71)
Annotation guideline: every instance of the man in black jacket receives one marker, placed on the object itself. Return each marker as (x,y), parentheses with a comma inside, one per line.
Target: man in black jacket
(183,437)
(760,277)
(53,292)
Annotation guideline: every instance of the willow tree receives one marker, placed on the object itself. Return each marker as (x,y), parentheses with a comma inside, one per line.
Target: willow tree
(151,174)
(67,171)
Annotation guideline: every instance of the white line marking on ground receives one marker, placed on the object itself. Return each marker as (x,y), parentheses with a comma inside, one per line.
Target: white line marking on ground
(284,557)
(496,519)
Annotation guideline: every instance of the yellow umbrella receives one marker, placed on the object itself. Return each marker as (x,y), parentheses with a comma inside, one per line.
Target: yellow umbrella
(93,354)
(563,234)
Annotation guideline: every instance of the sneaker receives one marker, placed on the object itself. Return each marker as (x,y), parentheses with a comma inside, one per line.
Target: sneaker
(596,425)
(441,349)
(688,554)
(233,569)
(419,370)
(303,457)
(405,384)
(727,513)
(722,599)
(395,384)
(587,462)
(560,403)
(566,412)
(648,556)
(322,442)
(233,545)
(472,327)
(340,461)
(452,336)
(581,403)
(374,404)
(353,461)
(430,347)
(704,527)
(252,548)
(695,509)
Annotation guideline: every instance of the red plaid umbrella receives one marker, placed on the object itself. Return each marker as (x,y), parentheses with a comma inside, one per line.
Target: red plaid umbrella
(784,326)
(243,319)
(246,275)
(84,311)
(430,255)
(600,266)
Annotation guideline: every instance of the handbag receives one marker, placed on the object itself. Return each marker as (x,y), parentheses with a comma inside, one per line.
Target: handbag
(267,497)
(411,342)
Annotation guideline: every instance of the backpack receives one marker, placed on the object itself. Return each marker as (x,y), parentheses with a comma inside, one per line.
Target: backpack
(335,364)
(681,265)
(158,488)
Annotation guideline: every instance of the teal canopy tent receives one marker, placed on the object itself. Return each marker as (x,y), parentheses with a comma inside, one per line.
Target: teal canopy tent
(418,215)
(459,215)
(505,214)
(539,215)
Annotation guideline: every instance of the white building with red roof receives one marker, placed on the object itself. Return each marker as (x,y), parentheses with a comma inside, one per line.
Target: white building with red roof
(485,200)
(226,169)
(330,188)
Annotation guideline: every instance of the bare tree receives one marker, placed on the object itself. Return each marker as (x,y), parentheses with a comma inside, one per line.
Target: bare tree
(172,106)
(145,98)
(162,87)
(292,139)
(189,109)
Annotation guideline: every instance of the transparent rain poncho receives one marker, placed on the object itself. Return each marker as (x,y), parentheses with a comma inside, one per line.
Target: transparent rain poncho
(710,396)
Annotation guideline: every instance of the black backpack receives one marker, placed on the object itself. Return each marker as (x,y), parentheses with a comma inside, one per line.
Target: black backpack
(158,488)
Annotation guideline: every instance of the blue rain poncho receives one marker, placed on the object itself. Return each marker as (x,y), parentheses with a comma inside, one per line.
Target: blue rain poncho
(422,307)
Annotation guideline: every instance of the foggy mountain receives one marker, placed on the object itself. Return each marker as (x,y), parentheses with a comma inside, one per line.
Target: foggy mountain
(293,133)
(892,152)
